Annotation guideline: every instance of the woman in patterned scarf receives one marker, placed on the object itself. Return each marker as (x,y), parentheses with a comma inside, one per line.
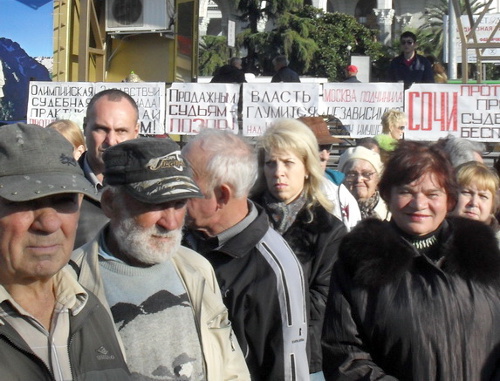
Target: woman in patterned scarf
(363,169)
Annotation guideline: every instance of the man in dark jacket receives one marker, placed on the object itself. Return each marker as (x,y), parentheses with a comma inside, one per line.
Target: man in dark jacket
(283,72)
(51,328)
(230,73)
(260,278)
(410,67)
(112,117)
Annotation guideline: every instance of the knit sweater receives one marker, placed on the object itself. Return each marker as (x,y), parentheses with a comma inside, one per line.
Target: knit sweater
(154,317)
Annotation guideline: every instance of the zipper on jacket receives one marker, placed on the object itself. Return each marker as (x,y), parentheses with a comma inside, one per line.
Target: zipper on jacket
(73,376)
(30,355)
(72,334)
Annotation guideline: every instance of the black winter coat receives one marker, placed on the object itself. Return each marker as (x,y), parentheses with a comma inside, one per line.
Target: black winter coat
(316,246)
(392,313)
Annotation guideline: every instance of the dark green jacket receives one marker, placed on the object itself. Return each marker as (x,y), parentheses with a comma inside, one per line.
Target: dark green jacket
(94,351)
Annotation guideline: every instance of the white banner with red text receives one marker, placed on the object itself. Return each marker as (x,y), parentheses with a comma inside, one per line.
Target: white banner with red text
(465,111)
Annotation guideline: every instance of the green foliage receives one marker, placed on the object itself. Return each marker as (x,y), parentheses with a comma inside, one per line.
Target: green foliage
(214,53)
(314,41)
(252,10)
(431,33)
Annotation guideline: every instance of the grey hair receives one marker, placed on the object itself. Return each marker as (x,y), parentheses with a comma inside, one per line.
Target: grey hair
(233,60)
(228,160)
(461,150)
(282,60)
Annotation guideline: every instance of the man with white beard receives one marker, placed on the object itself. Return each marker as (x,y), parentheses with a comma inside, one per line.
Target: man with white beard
(164,298)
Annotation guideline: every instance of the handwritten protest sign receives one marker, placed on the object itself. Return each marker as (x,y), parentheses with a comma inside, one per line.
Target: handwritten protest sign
(192,106)
(360,106)
(49,101)
(465,111)
(150,98)
(263,103)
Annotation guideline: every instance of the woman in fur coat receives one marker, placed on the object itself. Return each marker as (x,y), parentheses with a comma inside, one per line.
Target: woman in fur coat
(416,298)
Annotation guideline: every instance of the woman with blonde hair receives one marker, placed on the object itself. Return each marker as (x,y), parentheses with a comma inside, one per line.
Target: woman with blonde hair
(393,125)
(477,198)
(72,133)
(291,192)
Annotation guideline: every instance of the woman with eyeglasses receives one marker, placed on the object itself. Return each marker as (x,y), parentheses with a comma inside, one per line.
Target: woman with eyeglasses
(418,297)
(290,188)
(393,126)
(362,168)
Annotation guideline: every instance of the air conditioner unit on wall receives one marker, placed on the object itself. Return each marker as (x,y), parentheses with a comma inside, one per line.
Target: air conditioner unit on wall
(131,16)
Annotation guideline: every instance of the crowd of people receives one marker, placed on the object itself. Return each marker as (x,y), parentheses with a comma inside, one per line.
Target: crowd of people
(127,257)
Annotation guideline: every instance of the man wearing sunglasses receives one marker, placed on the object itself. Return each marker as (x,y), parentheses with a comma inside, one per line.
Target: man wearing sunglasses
(410,67)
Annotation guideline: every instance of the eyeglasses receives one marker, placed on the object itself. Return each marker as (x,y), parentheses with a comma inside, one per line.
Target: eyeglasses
(354,175)
(326,147)
(407,42)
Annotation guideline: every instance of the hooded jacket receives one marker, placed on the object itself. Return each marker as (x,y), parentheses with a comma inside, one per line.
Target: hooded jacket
(393,313)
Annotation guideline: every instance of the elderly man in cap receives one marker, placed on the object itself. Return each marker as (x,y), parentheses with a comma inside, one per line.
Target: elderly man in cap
(164,298)
(51,328)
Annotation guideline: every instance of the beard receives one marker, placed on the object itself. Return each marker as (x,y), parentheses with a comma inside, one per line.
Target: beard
(148,246)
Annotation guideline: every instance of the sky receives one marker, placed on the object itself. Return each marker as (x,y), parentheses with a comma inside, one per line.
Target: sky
(31,29)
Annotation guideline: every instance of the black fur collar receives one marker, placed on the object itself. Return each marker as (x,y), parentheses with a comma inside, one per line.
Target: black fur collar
(375,254)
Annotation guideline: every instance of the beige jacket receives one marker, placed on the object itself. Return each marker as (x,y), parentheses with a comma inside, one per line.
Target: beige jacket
(224,359)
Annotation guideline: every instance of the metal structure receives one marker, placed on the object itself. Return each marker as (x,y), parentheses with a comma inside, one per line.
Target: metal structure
(79,41)
(470,40)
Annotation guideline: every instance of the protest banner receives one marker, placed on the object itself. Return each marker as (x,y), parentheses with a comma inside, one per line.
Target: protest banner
(150,98)
(360,106)
(49,101)
(192,106)
(465,111)
(263,103)
(484,30)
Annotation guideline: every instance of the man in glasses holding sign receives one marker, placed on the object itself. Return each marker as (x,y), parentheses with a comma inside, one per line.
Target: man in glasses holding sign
(410,67)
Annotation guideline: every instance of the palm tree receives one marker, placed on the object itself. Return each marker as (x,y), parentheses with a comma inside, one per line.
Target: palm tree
(254,10)
(431,33)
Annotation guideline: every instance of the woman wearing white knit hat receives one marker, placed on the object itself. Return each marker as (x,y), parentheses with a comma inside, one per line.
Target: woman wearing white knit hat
(363,169)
